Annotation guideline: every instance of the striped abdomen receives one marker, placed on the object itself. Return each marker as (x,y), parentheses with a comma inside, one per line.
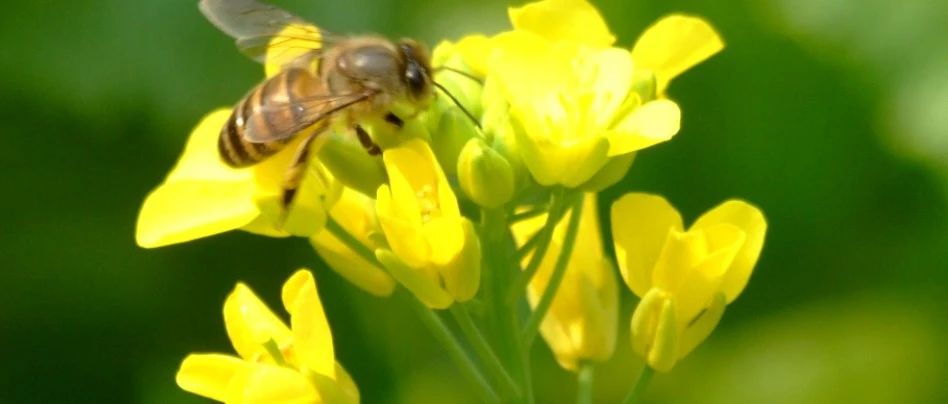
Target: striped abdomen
(269,117)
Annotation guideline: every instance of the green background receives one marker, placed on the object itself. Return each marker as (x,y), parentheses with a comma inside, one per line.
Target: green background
(830,116)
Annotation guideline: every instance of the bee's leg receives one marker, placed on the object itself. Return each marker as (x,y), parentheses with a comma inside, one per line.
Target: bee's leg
(297,170)
(366,140)
(394,120)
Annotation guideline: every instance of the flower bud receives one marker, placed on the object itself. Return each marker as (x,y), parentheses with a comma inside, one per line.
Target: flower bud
(350,164)
(453,131)
(485,176)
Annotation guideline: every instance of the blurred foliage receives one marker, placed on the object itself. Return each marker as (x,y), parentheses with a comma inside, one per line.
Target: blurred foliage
(808,113)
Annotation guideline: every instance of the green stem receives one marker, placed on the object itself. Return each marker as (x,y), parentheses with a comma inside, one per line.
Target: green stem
(431,320)
(493,366)
(503,314)
(527,214)
(455,351)
(529,246)
(521,358)
(640,385)
(557,205)
(350,241)
(584,380)
(569,241)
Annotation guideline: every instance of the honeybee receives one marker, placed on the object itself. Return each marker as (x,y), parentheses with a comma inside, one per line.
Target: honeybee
(357,77)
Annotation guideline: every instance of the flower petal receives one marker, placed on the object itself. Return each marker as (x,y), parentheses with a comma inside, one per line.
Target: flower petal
(698,329)
(696,286)
(201,196)
(405,239)
(527,67)
(250,324)
(654,122)
(210,375)
(445,235)
(341,391)
(312,338)
(462,276)
(681,253)
(751,220)
(200,159)
(187,210)
(563,20)
(675,44)
(602,79)
(544,156)
(640,225)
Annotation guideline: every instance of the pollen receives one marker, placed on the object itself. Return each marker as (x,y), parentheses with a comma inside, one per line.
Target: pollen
(427,200)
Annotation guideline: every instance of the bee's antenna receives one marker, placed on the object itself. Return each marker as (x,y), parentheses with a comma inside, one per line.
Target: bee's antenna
(458,103)
(461,72)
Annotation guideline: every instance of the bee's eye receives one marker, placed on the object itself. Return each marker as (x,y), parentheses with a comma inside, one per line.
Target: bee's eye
(415,77)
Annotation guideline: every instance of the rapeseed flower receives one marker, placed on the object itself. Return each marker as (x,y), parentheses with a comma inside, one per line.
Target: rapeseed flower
(582,320)
(275,363)
(434,251)
(684,277)
(574,97)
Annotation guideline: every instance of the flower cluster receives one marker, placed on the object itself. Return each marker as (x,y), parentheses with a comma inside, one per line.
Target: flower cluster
(501,207)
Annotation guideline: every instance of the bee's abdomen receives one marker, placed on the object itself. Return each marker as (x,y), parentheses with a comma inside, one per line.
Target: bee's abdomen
(283,89)
(233,149)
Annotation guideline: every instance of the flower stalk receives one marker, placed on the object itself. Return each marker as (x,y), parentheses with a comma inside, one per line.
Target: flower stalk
(584,382)
(491,362)
(541,240)
(640,385)
(533,322)
(451,344)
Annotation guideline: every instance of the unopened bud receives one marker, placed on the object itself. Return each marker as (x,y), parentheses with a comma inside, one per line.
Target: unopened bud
(485,176)
(351,164)
(454,131)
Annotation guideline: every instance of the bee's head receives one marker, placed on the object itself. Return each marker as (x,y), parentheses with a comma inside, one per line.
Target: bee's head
(417,74)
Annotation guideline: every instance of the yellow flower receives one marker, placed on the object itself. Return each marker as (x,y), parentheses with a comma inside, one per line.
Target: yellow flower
(684,278)
(276,364)
(582,320)
(355,213)
(203,196)
(434,251)
(575,98)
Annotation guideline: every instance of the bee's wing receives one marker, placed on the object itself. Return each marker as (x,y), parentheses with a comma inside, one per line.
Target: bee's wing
(279,120)
(259,27)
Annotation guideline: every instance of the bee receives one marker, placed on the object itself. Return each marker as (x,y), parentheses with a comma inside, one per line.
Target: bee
(356,77)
